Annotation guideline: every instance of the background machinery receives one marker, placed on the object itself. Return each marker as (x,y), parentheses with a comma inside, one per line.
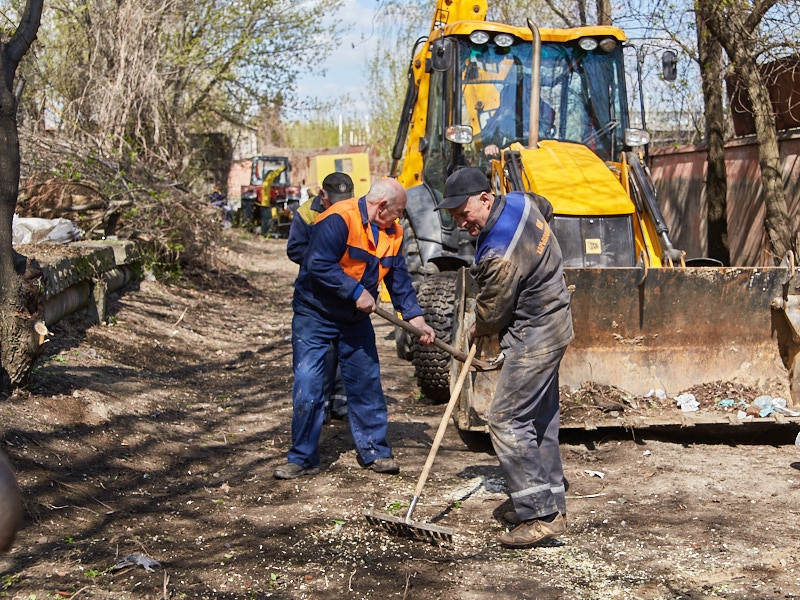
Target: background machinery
(547,111)
(284,197)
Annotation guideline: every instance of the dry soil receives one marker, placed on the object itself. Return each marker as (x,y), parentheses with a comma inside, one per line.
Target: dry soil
(145,449)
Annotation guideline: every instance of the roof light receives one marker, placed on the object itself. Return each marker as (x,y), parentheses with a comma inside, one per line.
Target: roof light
(504,40)
(479,37)
(636,137)
(608,44)
(587,43)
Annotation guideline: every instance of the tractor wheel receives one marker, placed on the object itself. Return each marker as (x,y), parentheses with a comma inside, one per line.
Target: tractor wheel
(436,296)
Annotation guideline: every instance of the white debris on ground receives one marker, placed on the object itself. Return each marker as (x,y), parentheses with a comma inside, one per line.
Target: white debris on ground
(33,230)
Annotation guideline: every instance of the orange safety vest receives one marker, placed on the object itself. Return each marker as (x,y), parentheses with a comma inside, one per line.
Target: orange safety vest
(366,260)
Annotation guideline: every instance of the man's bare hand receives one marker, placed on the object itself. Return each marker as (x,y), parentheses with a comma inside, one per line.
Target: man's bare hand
(471,336)
(429,333)
(492,151)
(365,302)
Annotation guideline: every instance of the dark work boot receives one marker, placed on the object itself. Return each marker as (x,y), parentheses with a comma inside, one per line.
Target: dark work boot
(292,470)
(529,534)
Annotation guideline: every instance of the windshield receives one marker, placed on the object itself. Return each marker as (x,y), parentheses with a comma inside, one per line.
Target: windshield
(264,165)
(581,96)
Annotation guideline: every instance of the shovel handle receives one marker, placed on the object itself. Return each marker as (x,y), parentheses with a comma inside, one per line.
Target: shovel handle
(392,318)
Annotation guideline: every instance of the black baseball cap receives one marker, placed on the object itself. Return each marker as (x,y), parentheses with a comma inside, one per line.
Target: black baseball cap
(461,185)
(338,186)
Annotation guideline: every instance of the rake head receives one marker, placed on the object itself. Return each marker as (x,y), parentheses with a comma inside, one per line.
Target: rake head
(410,529)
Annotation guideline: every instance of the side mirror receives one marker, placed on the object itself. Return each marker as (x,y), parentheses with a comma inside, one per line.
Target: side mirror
(669,65)
(442,53)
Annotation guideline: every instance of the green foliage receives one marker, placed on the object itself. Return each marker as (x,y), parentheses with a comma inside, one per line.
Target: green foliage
(387,76)
(162,270)
(136,77)
(395,507)
(322,127)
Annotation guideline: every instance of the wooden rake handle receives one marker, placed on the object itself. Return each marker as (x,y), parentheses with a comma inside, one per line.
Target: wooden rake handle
(445,347)
(448,412)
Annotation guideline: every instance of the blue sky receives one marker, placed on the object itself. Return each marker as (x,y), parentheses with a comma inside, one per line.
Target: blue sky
(345,68)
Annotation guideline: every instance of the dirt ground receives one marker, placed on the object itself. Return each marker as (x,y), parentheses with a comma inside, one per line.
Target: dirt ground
(145,449)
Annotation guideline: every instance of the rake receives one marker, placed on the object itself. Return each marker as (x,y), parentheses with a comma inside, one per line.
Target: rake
(459,355)
(406,527)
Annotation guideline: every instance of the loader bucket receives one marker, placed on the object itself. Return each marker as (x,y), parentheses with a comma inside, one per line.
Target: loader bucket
(676,329)
(662,329)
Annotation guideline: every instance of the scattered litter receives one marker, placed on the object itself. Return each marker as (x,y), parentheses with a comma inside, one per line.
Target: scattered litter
(33,230)
(134,559)
(764,403)
(768,405)
(687,402)
(646,453)
(594,473)
(660,394)
(730,403)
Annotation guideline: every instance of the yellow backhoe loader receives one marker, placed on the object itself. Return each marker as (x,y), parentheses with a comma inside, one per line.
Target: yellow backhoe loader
(547,111)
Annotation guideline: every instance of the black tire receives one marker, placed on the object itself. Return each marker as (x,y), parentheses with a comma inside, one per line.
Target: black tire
(436,296)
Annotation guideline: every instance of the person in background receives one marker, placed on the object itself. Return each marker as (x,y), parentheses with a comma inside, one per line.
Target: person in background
(220,200)
(335,187)
(266,199)
(523,297)
(354,245)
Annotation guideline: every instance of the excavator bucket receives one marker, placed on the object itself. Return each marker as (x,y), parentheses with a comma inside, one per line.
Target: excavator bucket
(658,333)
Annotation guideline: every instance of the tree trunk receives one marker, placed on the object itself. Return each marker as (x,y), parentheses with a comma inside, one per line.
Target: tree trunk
(17,346)
(604,12)
(776,221)
(734,24)
(18,307)
(710,59)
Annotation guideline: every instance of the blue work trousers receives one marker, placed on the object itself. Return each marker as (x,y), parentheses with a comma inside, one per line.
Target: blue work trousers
(312,336)
(523,423)
(336,405)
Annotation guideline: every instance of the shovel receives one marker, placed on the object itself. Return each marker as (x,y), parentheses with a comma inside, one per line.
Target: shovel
(405,527)
(459,355)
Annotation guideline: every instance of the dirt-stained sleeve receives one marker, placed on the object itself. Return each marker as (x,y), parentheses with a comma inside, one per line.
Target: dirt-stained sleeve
(498,280)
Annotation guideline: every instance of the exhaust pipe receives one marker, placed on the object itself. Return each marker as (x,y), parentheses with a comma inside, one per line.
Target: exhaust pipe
(536,85)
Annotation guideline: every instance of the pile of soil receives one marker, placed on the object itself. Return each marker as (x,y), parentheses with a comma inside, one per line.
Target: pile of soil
(145,449)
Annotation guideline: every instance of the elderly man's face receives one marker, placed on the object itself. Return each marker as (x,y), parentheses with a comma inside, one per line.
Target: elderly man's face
(473,214)
(387,213)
